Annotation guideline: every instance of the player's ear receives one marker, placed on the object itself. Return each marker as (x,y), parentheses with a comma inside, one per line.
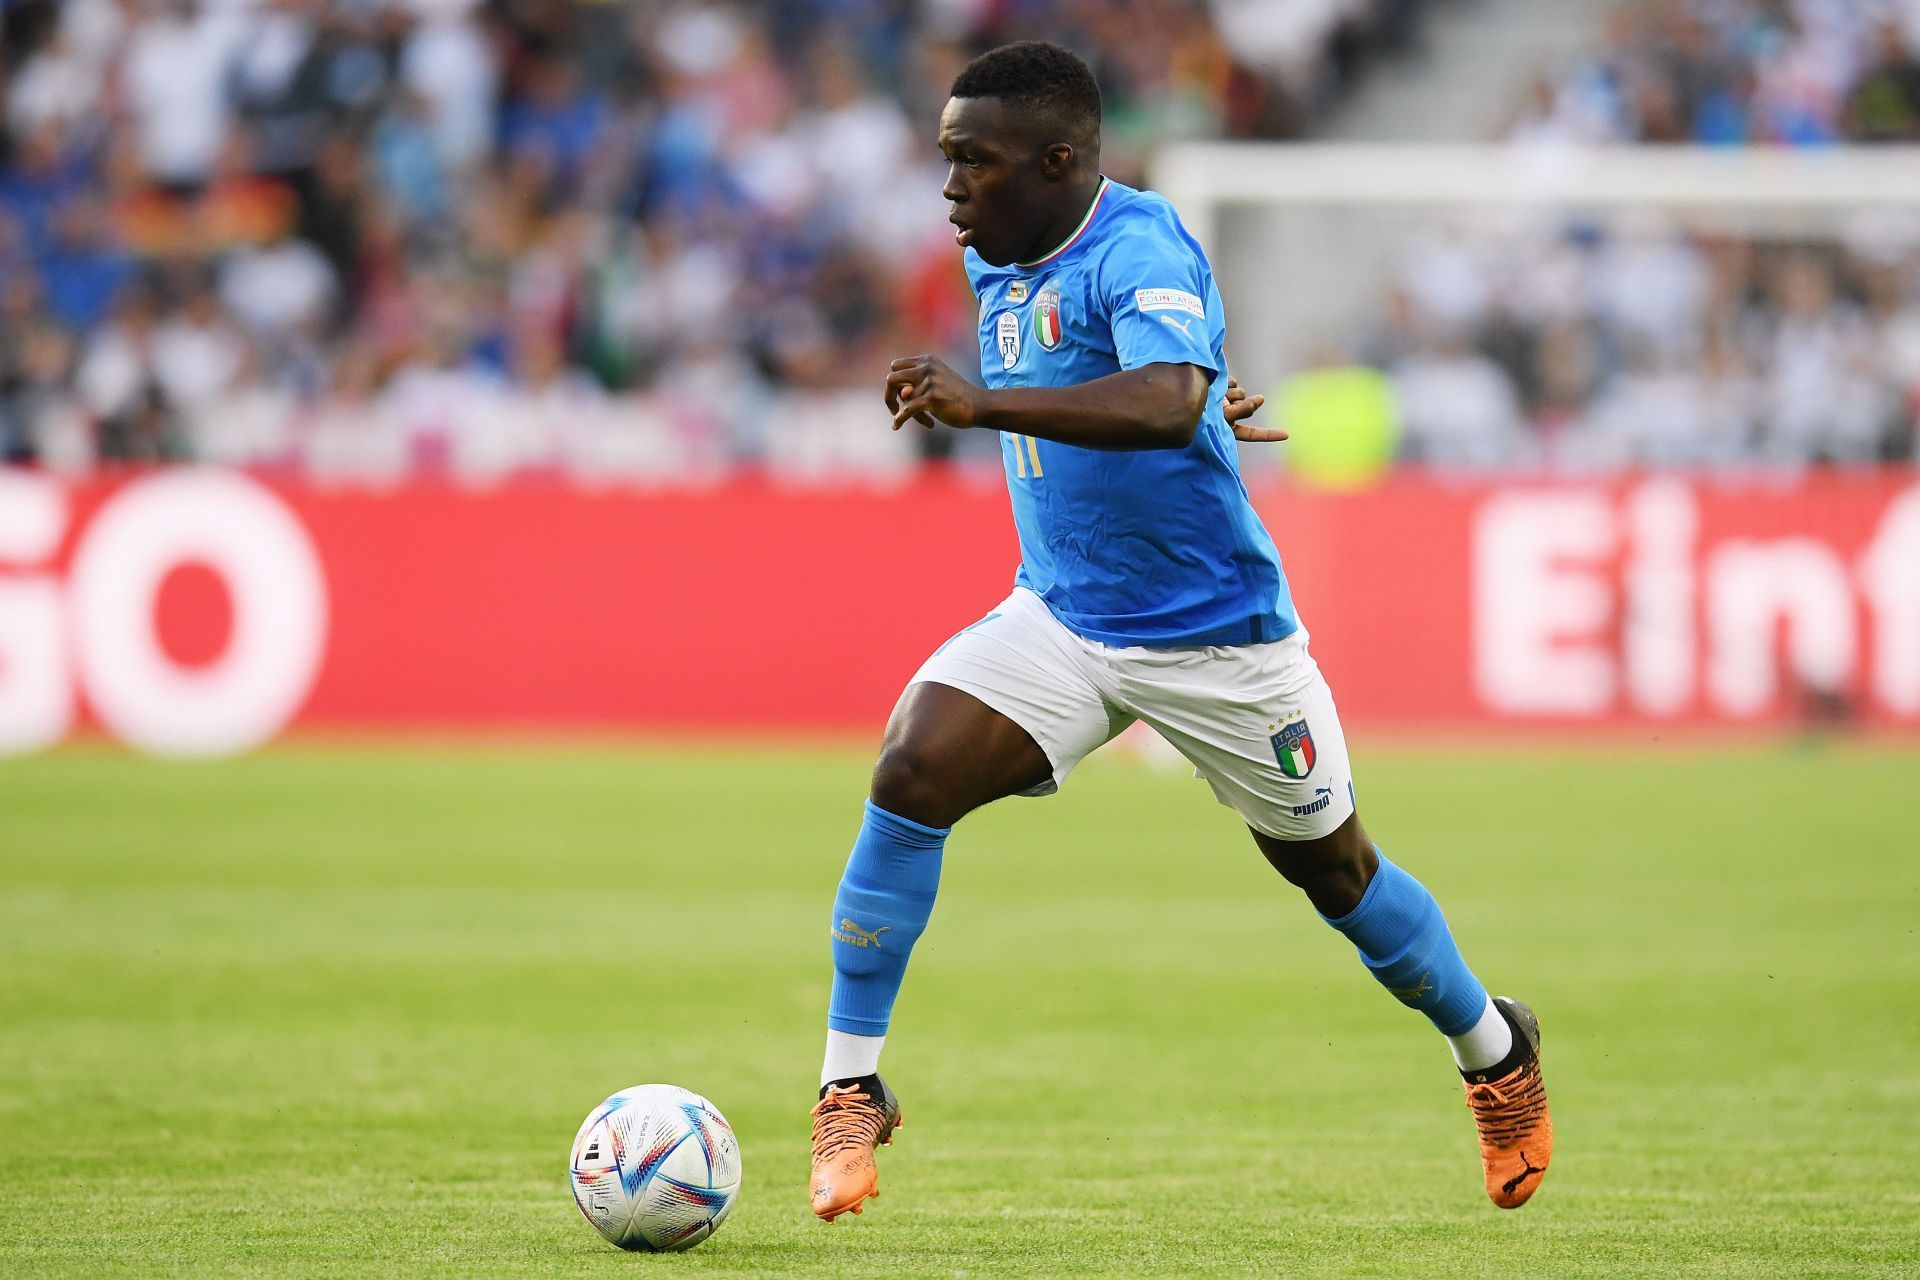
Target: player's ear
(1057,160)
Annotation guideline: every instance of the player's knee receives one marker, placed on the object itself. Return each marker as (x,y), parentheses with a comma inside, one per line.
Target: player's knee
(909,783)
(1333,870)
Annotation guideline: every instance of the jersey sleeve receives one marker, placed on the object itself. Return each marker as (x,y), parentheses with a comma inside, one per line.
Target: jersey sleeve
(1155,292)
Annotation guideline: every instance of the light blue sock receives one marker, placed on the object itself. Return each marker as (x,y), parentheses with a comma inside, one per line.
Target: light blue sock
(886,896)
(1404,940)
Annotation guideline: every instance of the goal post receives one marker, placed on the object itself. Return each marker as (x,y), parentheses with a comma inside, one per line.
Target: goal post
(1302,236)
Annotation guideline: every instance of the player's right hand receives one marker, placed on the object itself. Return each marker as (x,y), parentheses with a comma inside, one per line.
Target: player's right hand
(923,388)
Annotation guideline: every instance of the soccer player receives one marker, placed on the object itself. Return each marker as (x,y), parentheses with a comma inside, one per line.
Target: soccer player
(1147,590)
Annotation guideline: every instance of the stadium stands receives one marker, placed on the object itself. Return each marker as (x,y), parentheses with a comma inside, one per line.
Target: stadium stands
(630,242)
(372,239)
(1733,72)
(1588,346)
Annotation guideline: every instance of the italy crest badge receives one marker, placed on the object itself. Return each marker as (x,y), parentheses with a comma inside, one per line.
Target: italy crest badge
(1293,748)
(1046,318)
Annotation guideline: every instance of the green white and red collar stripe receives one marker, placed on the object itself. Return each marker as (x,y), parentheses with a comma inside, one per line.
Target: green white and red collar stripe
(1078,231)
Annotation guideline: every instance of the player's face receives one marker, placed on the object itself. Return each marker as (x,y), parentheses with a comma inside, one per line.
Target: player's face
(997,180)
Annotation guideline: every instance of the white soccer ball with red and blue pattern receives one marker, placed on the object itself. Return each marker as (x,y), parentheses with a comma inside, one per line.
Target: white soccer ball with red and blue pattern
(655,1168)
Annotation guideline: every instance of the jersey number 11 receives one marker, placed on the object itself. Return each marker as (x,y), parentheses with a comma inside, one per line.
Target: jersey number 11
(1025,447)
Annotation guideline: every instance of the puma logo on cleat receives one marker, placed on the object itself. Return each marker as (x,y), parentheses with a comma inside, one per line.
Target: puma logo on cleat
(1507,1187)
(854,935)
(1407,995)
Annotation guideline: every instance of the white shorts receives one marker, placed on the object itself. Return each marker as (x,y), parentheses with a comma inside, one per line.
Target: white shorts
(1256,720)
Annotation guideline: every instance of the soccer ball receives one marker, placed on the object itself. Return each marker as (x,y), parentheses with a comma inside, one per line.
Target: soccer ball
(655,1168)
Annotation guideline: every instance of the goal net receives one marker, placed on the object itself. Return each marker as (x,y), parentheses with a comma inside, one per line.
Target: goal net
(1633,305)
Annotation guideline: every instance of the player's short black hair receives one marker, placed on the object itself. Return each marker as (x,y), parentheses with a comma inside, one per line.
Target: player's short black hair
(1041,77)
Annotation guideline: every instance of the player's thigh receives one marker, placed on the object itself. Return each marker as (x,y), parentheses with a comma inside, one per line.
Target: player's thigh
(1015,667)
(1259,724)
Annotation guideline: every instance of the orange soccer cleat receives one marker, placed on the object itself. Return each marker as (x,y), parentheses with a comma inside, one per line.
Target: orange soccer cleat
(1509,1102)
(850,1122)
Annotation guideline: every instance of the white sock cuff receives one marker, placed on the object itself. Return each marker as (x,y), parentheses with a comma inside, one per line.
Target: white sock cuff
(1484,1043)
(849,1055)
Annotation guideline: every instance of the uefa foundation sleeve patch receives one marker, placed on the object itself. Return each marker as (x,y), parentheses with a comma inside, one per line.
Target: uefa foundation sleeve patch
(1169,300)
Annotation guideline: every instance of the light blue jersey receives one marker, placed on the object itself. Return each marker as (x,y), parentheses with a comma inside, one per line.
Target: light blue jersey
(1155,547)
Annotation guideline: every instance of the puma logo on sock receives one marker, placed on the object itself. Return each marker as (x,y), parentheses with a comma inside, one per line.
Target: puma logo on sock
(854,935)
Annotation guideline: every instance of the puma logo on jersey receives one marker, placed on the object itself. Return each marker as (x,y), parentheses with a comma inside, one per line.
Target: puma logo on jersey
(1181,325)
(854,935)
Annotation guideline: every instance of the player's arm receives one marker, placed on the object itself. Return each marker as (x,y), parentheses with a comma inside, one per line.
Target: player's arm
(1155,406)
(924,388)
(1154,294)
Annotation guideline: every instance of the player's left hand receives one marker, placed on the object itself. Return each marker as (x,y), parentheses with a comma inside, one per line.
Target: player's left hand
(1239,407)
(924,388)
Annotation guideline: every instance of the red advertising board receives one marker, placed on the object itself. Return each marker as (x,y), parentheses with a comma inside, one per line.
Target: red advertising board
(198,611)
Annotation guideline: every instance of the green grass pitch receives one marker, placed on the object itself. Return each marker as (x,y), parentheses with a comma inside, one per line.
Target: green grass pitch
(337,1011)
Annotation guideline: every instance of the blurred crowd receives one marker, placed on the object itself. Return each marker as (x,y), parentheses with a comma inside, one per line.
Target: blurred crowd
(1732,72)
(1643,342)
(372,238)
